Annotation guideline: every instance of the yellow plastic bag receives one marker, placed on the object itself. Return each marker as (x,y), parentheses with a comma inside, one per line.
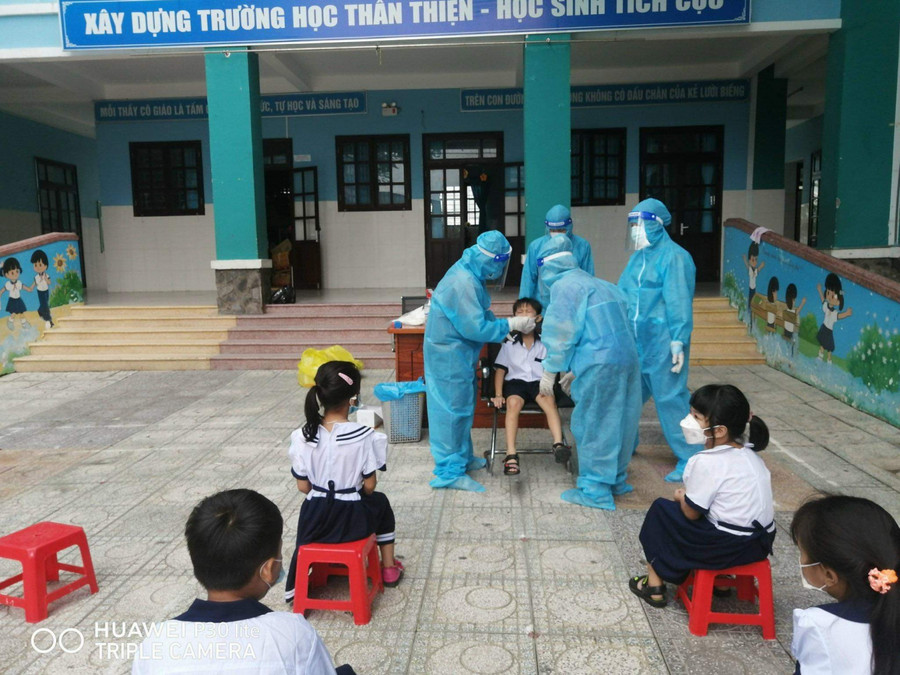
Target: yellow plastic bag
(312,358)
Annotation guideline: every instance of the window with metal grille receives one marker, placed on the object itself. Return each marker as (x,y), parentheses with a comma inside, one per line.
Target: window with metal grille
(167,178)
(57,196)
(373,173)
(598,167)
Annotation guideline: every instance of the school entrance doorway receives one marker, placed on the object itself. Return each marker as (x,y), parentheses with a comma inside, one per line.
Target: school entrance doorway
(682,167)
(292,217)
(464,196)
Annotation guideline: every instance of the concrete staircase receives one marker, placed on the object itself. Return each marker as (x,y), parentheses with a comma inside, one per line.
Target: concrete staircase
(198,338)
(276,339)
(129,338)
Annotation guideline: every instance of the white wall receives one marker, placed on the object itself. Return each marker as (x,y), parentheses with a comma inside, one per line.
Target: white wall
(153,254)
(373,249)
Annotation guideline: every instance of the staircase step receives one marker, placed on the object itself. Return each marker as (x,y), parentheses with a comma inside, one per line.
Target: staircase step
(282,346)
(145,348)
(727,359)
(328,323)
(382,309)
(307,334)
(112,361)
(149,311)
(134,335)
(285,362)
(148,324)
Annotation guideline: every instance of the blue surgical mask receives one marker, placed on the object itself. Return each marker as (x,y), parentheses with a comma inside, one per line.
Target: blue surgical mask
(354,406)
(281,574)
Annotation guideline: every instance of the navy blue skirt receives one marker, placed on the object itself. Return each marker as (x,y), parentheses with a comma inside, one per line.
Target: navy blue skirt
(675,545)
(335,521)
(15,306)
(825,336)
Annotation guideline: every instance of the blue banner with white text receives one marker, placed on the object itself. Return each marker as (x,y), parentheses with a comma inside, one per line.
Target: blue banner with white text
(601,95)
(277,105)
(104,24)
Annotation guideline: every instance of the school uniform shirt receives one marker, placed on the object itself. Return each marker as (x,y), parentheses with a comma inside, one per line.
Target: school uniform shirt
(345,456)
(831,315)
(42,281)
(732,488)
(833,639)
(752,272)
(243,636)
(521,363)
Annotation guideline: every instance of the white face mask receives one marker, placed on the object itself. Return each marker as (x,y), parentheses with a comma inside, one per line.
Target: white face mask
(639,237)
(693,432)
(808,586)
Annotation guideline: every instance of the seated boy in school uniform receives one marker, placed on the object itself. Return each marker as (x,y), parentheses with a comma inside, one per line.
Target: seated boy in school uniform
(517,377)
(234,539)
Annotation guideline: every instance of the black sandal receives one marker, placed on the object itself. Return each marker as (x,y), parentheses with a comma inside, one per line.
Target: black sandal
(510,468)
(646,593)
(561,453)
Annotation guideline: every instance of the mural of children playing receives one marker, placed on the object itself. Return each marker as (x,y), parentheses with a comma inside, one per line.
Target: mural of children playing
(791,314)
(753,269)
(42,283)
(833,308)
(12,270)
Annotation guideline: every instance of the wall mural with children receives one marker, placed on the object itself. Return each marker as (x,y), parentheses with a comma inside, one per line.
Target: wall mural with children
(41,276)
(812,321)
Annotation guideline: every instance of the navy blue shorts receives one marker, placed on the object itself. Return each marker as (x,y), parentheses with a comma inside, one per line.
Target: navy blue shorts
(527,390)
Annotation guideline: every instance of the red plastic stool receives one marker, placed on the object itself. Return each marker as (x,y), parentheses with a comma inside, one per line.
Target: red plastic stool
(356,560)
(700,606)
(36,547)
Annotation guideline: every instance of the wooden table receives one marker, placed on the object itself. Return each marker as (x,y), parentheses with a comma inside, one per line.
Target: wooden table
(409,365)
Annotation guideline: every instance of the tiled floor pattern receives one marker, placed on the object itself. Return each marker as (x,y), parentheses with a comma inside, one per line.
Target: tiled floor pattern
(509,581)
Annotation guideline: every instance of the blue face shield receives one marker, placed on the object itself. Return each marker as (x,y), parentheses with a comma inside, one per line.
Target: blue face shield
(638,221)
(499,270)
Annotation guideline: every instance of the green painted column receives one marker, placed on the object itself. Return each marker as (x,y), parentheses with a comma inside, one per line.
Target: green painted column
(858,131)
(548,129)
(769,138)
(235,148)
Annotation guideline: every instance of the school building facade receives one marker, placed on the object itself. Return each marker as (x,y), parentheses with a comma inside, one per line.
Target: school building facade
(368,143)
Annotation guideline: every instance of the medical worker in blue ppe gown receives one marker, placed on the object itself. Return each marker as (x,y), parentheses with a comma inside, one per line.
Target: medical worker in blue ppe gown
(558,222)
(458,326)
(586,333)
(658,284)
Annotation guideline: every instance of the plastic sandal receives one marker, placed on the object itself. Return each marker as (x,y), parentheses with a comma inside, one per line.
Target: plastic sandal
(391,576)
(511,465)
(561,453)
(646,593)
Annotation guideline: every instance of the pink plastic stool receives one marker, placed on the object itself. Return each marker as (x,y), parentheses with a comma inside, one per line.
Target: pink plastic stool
(357,560)
(36,548)
(699,606)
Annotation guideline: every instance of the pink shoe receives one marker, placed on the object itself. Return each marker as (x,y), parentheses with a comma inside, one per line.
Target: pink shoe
(391,575)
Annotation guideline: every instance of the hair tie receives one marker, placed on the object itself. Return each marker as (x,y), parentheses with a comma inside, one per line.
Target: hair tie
(881,580)
(346,378)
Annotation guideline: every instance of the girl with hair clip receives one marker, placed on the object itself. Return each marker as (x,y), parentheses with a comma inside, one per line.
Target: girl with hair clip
(334,462)
(724,516)
(850,549)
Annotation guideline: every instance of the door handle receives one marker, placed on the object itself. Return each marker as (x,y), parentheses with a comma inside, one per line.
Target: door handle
(681,228)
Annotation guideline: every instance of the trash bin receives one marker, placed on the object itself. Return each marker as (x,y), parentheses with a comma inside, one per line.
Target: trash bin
(403,418)
(403,405)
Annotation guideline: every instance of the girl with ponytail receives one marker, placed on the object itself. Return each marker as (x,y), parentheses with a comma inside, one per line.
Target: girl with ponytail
(724,516)
(850,549)
(334,462)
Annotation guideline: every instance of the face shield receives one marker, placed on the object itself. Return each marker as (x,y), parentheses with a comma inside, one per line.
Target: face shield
(542,276)
(500,268)
(637,228)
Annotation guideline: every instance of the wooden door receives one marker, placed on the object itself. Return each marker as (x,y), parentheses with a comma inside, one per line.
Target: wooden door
(307,254)
(682,167)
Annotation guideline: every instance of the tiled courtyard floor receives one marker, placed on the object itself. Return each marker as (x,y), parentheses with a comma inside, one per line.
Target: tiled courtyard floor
(509,581)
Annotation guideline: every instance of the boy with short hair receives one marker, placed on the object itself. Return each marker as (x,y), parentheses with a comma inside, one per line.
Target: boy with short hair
(234,539)
(517,377)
